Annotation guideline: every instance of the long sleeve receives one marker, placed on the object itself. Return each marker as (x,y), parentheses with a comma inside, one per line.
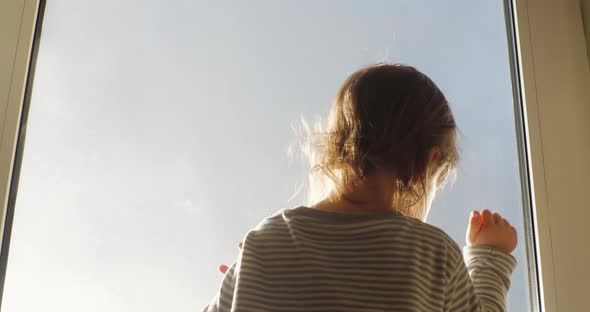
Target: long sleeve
(481,282)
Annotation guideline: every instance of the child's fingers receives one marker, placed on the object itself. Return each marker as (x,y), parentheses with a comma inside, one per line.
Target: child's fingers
(474,226)
(497,218)
(487,218)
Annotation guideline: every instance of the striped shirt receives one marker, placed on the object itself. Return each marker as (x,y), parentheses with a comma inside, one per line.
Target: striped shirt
(305,259)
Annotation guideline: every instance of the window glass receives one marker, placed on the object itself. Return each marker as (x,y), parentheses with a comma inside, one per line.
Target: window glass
(158,135)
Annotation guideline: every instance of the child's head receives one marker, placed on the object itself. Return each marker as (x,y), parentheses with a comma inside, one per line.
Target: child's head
(387,118)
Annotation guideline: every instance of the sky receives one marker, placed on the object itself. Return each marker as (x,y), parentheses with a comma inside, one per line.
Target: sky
(158,135)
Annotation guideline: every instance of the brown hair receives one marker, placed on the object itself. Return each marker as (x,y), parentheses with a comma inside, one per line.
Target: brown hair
(385,117)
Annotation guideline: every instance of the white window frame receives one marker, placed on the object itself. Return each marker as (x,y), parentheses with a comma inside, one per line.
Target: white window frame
(555,81)
(551,58)
(20,25)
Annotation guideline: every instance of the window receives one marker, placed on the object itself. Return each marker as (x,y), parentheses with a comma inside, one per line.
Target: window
(157,136)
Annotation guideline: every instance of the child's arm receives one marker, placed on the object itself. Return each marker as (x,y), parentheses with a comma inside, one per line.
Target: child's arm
(482,281)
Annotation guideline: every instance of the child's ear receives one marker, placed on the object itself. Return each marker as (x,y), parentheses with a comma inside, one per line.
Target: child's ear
(434,154)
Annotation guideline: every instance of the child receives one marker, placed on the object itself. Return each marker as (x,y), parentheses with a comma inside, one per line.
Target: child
(363,245)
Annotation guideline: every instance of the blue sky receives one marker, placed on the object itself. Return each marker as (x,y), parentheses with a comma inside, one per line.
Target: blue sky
(158,135)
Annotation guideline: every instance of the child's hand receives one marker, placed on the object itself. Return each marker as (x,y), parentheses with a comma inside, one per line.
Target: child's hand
(487,229)
(222,267)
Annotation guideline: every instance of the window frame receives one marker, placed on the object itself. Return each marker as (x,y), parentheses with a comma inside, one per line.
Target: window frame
(552,59)
(21,37)
(538,132)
